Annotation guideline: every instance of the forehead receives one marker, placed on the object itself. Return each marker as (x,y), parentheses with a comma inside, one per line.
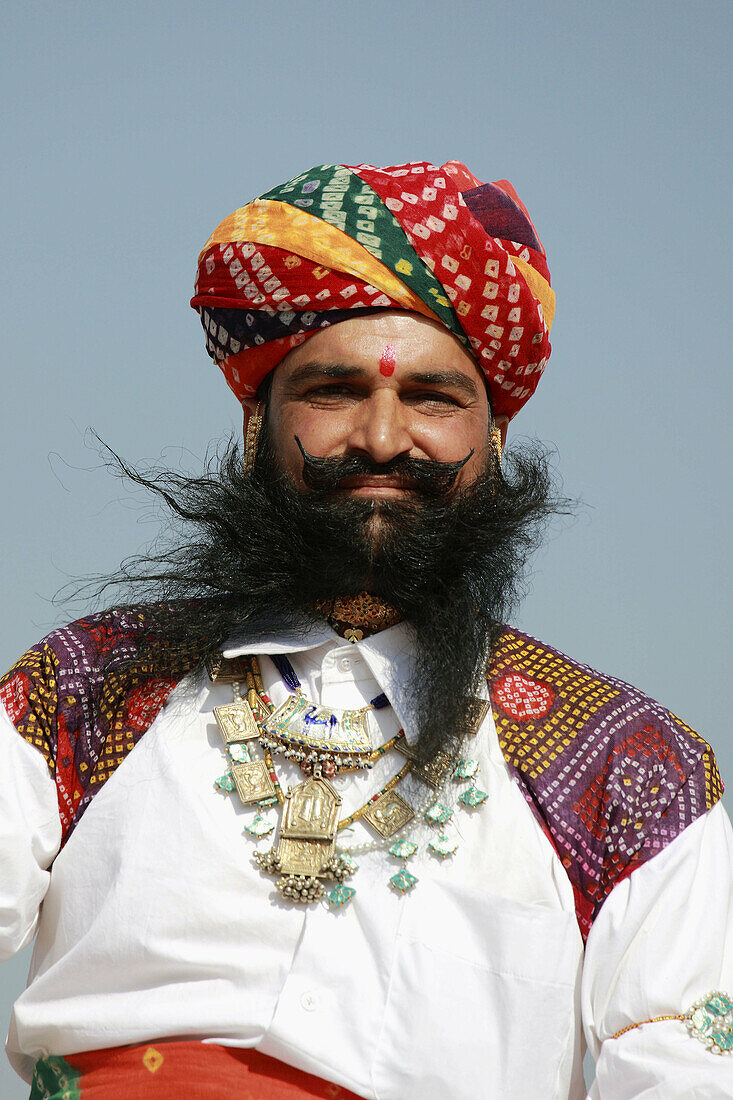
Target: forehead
(410,341)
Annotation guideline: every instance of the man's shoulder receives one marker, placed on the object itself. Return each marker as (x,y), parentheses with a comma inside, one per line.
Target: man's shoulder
(79,652)
(87,643)
(611,774)
(80,690)
(535,685)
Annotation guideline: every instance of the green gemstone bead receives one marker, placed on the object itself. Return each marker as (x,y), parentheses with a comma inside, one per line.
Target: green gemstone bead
(723,1039)
(719,1004)
(403,849)
(472,798)
(403,881)
(438,814)
(442,847)
(465,769)
(702,1021)
(225,783)
(259,827)
(341,895)
(349,864)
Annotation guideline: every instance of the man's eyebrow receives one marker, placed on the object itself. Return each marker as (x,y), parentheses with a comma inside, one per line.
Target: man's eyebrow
(453,378)
(306,372)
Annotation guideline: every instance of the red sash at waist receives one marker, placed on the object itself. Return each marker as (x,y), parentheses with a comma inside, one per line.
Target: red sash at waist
(172,1070)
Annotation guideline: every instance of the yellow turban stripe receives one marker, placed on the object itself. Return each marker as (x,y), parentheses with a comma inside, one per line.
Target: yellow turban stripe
(265,221)
(541,289)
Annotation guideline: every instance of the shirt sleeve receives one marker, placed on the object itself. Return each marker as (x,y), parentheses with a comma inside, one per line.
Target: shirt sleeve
(662,940)
(30,836)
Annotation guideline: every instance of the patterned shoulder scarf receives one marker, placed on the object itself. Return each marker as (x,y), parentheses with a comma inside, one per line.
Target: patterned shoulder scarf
(611,776)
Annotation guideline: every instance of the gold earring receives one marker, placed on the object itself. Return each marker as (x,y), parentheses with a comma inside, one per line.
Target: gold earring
(251,436)
(496,438)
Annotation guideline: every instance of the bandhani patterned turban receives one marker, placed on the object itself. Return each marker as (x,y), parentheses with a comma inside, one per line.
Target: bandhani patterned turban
(339,240)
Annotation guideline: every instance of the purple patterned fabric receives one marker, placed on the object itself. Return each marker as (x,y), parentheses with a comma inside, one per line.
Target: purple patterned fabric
(79,699)
(611,775)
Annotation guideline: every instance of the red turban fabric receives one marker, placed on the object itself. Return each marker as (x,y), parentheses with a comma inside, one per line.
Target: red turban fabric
(339,240)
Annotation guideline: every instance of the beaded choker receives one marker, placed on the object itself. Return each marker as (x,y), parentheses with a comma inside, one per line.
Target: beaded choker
(358,616)
(306,851)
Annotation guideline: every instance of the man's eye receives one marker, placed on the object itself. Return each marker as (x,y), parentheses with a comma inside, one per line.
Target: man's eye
(337,390)
(432,398)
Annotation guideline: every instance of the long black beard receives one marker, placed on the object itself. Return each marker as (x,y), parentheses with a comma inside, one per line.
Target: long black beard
(251,553)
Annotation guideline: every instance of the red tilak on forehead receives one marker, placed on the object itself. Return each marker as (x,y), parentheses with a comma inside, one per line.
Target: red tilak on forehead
(387,360)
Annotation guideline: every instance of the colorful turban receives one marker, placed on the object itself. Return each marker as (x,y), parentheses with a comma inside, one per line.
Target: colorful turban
(338,241)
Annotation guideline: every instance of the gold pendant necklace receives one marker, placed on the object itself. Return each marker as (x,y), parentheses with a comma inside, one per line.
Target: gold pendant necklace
(305,855)
(307,838)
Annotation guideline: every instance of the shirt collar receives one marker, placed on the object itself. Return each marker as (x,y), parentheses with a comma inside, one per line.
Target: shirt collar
(279,641)
(388,654)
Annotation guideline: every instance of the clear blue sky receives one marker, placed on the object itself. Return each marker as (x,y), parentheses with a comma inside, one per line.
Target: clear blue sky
(131,129)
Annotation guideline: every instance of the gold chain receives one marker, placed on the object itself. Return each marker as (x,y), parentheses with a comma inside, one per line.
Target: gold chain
(652,1020)
(387,787)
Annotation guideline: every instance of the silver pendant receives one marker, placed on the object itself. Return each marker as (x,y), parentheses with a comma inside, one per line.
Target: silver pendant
(432,772)
(474,715)
(226,670)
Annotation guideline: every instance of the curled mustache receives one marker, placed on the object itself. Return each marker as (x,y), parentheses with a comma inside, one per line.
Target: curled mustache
(426,475)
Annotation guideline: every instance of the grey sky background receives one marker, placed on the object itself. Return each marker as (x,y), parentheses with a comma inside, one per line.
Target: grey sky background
(130,130)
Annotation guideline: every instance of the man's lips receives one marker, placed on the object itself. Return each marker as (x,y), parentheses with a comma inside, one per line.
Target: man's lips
(377,484)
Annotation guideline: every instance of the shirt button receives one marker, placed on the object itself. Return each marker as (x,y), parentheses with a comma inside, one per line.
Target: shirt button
(309,1001)
(345,664)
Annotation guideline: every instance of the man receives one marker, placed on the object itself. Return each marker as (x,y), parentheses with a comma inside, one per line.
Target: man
(304,817)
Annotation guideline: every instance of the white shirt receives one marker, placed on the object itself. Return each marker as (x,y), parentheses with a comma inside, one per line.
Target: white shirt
(156,923)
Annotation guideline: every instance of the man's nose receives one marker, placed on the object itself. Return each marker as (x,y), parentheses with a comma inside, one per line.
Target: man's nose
(380,429)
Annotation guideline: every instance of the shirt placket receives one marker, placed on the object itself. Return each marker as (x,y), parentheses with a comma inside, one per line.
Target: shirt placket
(319,1019)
